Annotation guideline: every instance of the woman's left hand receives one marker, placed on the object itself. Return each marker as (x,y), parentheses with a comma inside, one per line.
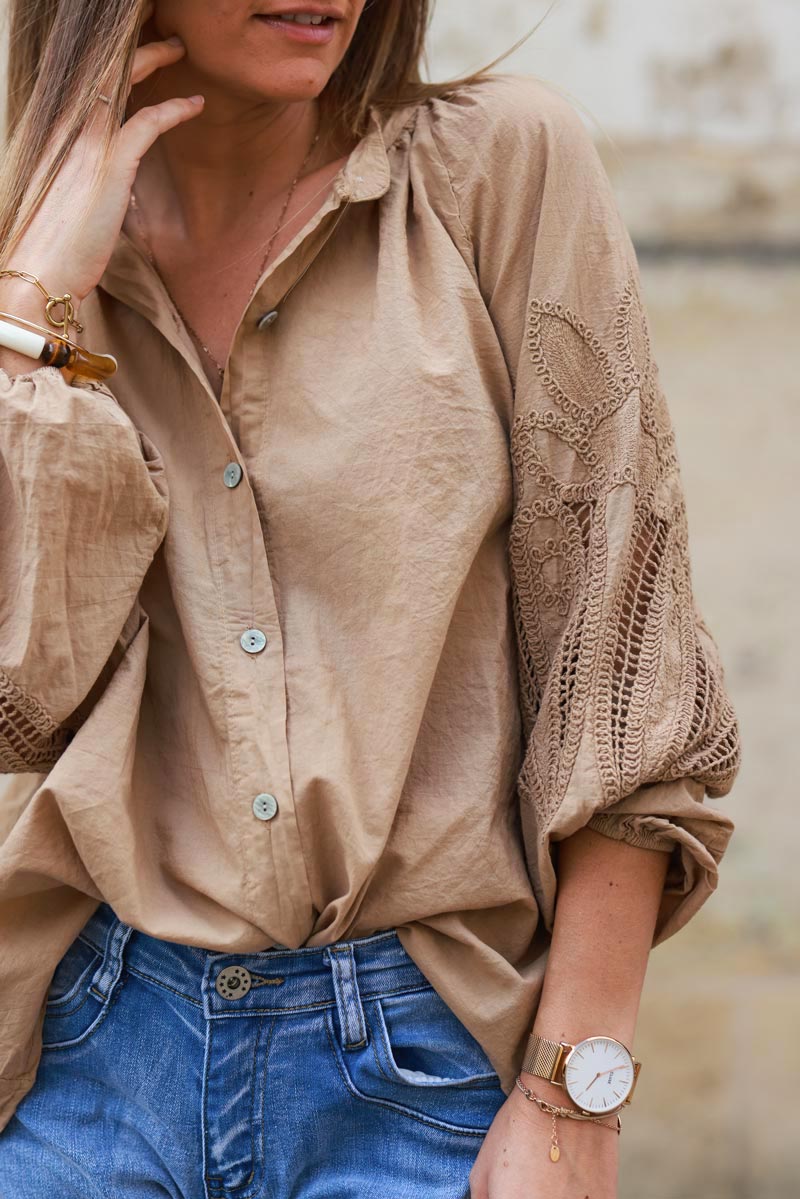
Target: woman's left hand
(514,1159)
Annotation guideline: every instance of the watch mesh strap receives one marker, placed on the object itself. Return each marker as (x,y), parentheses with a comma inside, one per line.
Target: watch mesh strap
(541,1056)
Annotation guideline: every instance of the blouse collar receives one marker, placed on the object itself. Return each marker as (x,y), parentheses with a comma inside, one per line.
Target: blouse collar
(366,175)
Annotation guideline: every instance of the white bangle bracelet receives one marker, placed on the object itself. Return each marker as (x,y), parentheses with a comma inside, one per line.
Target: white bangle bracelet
(24,341)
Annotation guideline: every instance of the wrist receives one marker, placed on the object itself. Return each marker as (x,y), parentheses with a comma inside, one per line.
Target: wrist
(24,299)
(556,1095)
(551,1091)
(575,1135)
(564,1026)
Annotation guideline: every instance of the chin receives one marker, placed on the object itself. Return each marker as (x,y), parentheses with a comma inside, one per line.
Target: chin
(298,82)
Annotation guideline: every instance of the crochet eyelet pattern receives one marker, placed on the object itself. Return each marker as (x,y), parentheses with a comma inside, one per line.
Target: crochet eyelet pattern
(617,666)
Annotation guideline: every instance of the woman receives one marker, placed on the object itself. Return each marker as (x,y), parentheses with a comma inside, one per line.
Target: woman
(342,622)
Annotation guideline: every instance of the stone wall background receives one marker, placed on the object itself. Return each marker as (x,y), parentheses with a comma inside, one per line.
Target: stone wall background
(696,107)
(695,103)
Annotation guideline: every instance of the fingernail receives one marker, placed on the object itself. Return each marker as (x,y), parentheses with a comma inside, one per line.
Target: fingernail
(174,40)
(197,99)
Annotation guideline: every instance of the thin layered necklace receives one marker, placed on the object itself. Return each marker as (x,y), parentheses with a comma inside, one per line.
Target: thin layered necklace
(138,213)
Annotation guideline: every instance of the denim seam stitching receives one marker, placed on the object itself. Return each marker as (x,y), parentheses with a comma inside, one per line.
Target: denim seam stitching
(224,1192)
(59,1014)
(228,1192)
(264,1094)
(251,1011)
(306,1007)
(105,1007)
(54,1007)
(276,953)
(160,983)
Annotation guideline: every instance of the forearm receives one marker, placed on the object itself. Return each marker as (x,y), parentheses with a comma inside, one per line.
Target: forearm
(607,903)
(608,898)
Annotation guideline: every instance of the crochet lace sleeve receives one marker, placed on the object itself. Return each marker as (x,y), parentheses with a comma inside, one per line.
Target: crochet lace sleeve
(628,726)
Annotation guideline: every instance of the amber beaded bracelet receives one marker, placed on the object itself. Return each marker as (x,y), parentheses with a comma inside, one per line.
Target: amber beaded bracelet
(53,351)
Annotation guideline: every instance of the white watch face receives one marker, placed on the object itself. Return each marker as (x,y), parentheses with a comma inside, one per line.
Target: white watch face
(598,1074)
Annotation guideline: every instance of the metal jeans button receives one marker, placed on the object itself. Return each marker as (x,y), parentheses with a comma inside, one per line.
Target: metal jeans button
(233,982)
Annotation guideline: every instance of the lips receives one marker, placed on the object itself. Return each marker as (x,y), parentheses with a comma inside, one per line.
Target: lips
(306,10)
(301,25)
(302,19)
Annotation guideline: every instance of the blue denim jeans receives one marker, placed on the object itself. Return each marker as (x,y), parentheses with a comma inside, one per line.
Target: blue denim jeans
(169,1071)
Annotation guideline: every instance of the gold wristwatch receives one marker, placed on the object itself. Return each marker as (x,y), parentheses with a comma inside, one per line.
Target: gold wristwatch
(598,1073)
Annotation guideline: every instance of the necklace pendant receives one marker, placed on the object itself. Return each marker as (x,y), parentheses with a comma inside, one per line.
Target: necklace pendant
(555,1153)
(269,318)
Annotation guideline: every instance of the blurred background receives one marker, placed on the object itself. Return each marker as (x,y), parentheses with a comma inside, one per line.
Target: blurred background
(695,105)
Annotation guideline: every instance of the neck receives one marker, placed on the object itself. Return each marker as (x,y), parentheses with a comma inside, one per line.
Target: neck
(231,159)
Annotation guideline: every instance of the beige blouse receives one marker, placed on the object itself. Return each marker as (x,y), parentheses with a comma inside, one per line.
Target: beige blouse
(357,646)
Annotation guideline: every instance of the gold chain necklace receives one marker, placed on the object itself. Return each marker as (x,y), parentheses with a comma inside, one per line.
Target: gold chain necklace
(151,255)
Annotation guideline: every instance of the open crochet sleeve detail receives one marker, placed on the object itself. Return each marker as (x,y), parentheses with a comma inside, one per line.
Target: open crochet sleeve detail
(30,739)
(627,724)
(621,683)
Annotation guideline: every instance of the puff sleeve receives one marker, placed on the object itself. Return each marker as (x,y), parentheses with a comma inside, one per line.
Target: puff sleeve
(627,723)
(84,508)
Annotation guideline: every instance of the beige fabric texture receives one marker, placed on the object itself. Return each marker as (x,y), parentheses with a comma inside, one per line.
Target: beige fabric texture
(461,530)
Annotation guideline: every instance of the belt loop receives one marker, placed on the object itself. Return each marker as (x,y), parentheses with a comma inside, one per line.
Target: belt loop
(352,1025)
(107,973)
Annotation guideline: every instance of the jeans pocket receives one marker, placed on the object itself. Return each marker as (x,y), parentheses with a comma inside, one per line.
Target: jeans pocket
(423,1062)
(73,1010)
(423,1043)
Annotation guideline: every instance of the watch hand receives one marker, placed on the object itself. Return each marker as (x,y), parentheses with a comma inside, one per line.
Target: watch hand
(601,1073)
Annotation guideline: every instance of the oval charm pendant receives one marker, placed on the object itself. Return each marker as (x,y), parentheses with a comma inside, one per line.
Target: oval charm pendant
(555,1153)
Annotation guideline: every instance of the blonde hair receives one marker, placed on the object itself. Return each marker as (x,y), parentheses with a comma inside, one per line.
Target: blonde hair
(57,69)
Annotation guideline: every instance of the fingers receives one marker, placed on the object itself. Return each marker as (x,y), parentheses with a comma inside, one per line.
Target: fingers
(154,55)
(145,126)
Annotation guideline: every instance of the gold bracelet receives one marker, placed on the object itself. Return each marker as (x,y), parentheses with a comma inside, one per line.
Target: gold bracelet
(68,318)
(555,1110)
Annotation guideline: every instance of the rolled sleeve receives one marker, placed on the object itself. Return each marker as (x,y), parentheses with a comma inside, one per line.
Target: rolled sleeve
(673,817)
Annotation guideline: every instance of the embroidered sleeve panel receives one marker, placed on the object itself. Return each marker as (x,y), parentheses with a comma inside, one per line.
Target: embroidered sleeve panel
(626,718)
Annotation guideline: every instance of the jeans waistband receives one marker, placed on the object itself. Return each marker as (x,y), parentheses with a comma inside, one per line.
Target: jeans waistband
(239,984)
